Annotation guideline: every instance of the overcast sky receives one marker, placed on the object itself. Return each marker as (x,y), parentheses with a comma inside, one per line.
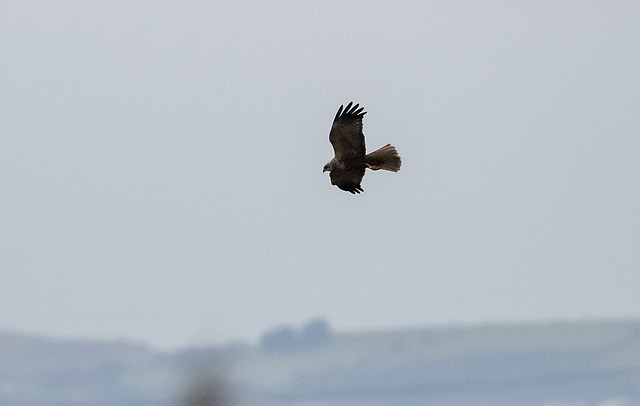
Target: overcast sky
(161,165)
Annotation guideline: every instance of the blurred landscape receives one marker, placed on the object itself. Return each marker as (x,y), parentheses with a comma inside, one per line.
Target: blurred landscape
(162,183)
(554,363)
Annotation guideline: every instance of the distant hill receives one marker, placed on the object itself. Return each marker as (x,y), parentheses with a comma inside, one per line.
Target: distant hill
(560,363)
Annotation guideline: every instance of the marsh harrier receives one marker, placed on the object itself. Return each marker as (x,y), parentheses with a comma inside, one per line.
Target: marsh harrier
(347,168)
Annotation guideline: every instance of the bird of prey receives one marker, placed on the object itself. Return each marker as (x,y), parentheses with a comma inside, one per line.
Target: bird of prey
(347,168)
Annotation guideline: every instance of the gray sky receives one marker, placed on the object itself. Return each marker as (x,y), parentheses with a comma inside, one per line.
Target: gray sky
(161,165)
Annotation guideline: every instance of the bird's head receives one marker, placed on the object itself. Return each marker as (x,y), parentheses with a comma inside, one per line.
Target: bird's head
(328,166)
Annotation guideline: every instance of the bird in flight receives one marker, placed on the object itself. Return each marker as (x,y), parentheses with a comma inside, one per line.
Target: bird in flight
(346,169)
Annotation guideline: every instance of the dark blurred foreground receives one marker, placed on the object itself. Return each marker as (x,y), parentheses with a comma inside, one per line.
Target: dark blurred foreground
(578,363)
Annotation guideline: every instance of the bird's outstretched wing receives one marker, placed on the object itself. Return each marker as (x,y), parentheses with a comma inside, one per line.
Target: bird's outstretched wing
(346,134)
(348,179)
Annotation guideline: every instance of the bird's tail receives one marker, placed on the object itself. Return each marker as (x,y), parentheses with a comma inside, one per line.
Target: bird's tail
(386,158)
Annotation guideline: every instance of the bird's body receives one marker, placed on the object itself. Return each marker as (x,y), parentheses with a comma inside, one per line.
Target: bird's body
(347,168)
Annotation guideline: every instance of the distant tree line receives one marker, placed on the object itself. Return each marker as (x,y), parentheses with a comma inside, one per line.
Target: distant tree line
(315,333)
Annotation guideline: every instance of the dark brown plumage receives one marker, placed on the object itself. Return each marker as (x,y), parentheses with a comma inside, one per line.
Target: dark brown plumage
(347,168)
